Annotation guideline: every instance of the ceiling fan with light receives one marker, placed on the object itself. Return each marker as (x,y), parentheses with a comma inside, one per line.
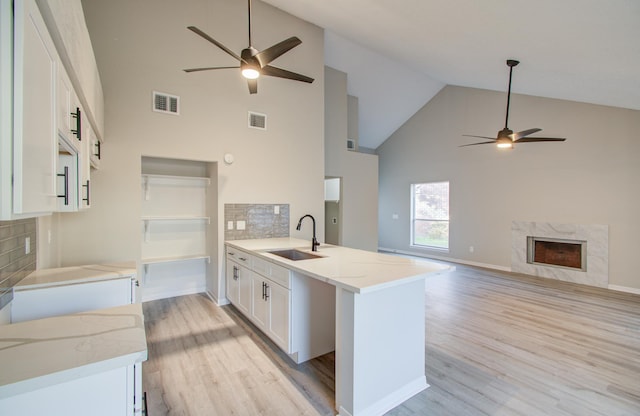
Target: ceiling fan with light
(254,63)
(506,137)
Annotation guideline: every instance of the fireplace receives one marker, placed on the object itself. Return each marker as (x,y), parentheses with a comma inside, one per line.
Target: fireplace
(577,253)
(557,252)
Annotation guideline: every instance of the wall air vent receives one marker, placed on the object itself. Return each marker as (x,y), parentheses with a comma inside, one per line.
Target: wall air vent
(166,103)
(257,121)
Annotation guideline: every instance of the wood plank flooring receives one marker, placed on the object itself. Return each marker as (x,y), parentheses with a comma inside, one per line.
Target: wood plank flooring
(496,344)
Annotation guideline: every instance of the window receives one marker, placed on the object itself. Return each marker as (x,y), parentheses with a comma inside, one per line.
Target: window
(430,214)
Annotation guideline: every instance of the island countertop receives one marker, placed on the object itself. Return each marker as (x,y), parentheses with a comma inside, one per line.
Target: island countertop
(76,274)
(43,352)
(358,271)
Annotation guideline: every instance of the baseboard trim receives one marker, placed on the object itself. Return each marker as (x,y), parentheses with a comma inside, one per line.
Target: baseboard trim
(626,289)
(444,258)
(392,400)
(171,293)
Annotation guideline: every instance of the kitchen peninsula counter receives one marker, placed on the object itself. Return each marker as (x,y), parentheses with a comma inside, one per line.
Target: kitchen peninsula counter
(379,319)
(355,270)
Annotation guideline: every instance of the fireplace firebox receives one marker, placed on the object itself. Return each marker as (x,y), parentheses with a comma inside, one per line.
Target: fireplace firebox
(571,254)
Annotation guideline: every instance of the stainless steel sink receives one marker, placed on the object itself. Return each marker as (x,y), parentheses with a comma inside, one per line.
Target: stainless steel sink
(295,255)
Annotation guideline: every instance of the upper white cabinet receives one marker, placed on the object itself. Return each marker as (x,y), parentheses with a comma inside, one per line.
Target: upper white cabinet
(34,128)
(44,163)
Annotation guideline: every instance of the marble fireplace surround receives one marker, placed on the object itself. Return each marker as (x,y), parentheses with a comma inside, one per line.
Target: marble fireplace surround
(596,236)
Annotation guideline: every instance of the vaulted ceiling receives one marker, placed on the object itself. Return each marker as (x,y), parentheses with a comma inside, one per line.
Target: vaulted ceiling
(399,54)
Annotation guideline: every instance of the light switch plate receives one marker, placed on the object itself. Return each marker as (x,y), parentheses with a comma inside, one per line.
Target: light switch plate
(27,245)
(276,209)
(241,225)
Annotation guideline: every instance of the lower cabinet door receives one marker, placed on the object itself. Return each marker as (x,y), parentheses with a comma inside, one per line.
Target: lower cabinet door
(279,302)
(244,291)
(233,273)
(102,394)
(259,301)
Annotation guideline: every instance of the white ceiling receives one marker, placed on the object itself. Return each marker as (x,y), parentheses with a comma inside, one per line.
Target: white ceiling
(399,54)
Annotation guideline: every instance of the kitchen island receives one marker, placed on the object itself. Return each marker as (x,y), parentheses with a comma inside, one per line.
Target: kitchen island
(379,319)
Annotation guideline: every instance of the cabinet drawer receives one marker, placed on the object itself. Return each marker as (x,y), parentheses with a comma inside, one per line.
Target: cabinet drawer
(240,257)
(261,266)
(281,275)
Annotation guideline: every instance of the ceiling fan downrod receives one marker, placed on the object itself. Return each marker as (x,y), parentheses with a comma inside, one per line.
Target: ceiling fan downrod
(510,63)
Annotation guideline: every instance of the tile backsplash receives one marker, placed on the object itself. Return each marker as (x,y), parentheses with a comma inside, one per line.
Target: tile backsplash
(15,264)
(258,221)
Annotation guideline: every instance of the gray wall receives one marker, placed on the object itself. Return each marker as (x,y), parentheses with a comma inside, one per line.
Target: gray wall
(359,171)
(143,45)
(592,178)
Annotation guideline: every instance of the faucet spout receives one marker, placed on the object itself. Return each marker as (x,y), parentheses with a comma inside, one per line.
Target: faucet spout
(314,242)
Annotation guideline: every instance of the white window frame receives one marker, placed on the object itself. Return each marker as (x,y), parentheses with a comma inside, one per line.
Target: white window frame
(414,220)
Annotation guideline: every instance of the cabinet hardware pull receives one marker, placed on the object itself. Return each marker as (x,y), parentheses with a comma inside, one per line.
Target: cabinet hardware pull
(263,289)
(97,145)
(87,200)
(78,130)
(266,292)
(243,259)
(65,195)
(232,254)
(235,273)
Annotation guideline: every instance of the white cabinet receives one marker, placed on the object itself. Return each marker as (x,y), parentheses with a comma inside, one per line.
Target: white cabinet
(41,120)
(174,235)
(35,66)
(239,280)
(54,300)
(295,311)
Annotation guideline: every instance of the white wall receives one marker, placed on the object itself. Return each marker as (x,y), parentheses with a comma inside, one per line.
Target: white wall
(143,45)
(359,171)
(592,178)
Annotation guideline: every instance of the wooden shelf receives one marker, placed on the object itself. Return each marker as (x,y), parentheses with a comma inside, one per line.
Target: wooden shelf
(203,179)
(156,260)
(176,218)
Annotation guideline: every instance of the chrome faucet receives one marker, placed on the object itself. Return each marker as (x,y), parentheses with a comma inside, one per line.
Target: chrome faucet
(314,242)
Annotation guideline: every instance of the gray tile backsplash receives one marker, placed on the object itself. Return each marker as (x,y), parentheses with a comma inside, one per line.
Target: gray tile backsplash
(14,263)
(261,221)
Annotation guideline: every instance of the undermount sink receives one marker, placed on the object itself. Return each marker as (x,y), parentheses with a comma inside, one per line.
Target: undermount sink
(295,255)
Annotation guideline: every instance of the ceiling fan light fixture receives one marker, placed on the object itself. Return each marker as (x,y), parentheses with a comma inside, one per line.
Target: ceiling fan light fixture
(505,144)
(250,73)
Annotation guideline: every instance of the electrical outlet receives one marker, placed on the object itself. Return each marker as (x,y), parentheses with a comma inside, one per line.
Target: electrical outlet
(471,249)
(229,225)
(241,225)
(27,245)
(394,216)
(276,209)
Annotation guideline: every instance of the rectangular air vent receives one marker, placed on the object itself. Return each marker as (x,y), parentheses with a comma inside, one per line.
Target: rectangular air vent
(257,121)
(166,103)
(351,144)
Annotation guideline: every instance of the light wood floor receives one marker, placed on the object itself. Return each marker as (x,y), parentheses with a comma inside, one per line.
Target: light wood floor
(496,344)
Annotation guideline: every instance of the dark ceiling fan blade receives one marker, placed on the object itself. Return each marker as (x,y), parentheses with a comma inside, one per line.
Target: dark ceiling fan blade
(539,139)
(215,42)
(210,68)
(523,133)
(474,144)
(479,137)
(253,86)
(273,71)
(266,56)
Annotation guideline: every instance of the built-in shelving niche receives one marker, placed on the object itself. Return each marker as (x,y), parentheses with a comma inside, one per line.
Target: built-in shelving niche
(178,227)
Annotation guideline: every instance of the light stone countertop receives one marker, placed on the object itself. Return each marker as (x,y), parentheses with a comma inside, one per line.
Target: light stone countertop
(43,352)
(76,274)
(355,270)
